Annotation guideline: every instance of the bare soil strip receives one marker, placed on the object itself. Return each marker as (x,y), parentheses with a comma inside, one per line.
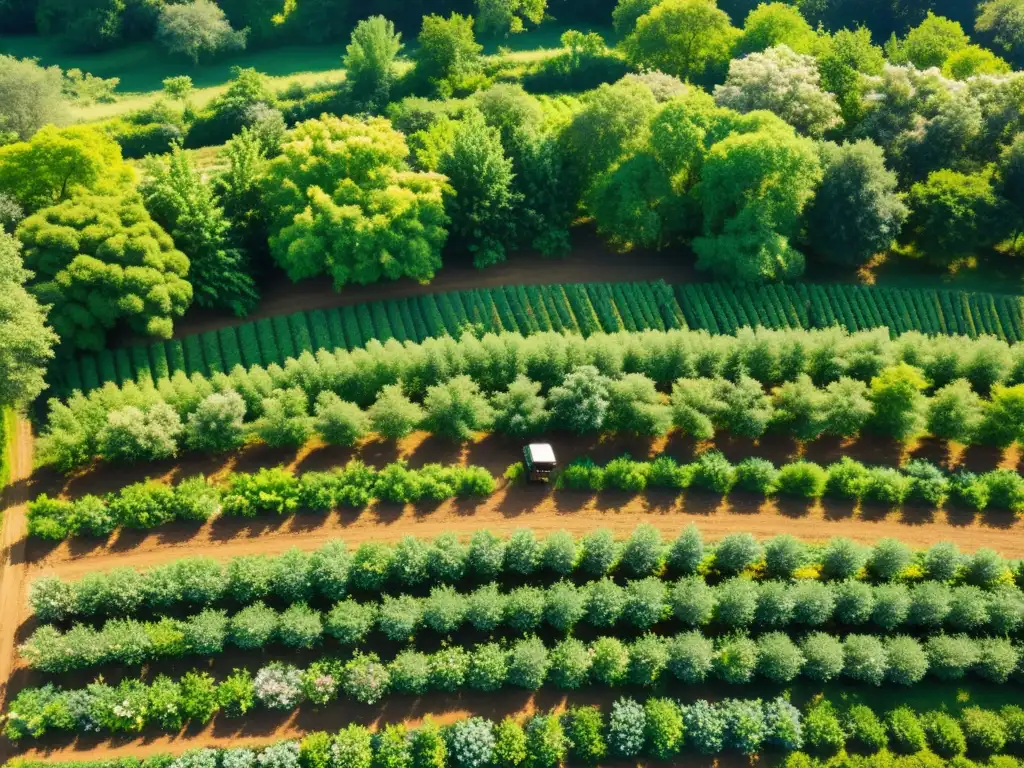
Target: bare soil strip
(12,573)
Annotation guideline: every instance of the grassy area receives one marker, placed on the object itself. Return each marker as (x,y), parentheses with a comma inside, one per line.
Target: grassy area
(7,426)
(143,67)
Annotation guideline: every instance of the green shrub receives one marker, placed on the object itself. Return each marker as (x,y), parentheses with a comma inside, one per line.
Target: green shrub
(584,728)
(907,734)
(984,731)
(889,557)
(906,660)
(783,556)
(736,552)
(944,734)
(802,479)
(867,733)
(823,732)
(757,476)
(663,730)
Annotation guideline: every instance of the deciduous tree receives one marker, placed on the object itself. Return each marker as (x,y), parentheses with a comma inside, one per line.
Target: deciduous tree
(58,163)
(197,28)
(370,60)
(30,97)
(480,199)
(345,203)
(783,82)
(100,261)
(754,187)
(856,211)
(26,341)
(179,200)
(686,38)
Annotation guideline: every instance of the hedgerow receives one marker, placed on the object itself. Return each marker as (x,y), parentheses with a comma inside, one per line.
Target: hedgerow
(640,605)
(364,678)
(414,566)
(723,382)
(278,491)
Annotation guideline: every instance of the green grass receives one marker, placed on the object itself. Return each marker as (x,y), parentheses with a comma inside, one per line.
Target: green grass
(7,426)
(142,67)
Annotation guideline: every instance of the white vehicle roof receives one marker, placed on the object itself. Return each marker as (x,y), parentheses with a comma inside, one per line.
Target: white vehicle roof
(541,453)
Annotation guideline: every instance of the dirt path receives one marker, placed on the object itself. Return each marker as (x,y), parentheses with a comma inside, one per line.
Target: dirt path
(534,508)
(12,575)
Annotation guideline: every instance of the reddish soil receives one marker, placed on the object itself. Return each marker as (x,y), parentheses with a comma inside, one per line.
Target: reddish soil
(13,570)
(591,260)
(510,508)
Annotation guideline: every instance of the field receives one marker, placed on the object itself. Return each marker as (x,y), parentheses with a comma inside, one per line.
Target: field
(787,510)
(142,73)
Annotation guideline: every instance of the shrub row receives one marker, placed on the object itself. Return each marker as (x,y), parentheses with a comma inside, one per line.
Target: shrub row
(143,421)
(584,401)
(658,729)
(415,565)
(584,308)
(919,481)
(527,663)
(736,604)
(278,491)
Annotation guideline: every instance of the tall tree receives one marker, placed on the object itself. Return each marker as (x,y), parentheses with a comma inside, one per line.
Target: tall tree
(370,61)
(26,341)
(1010,183)
(753,189)
(197,28)
(1002,22)
(181,202)
(58,163)
(953,216)
(30,97)
(101,261)
(238,188)
(686,38)
(505,17)
(542,211)
(447,51)
(345,203)
(848,57)
(928,44)
(856,211)
(613,121)
(784,82)
(773,24)
(480,199)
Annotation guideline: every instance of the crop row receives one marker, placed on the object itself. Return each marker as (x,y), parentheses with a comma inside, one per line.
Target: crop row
(657,729)
(649,661)
(280,492)
(571,308)
(723,309)
(416,565)
(269,491)
(640,605)
(485,378)
(575,308)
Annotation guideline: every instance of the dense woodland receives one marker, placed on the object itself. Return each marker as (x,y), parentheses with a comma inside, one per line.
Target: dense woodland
(755,138)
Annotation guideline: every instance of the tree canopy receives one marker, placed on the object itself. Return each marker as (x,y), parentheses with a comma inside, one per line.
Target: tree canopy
(686,38)
(183,203)
(56,164)
(753,189)
(344,203)
(100,261)
(856,211)
(30,97)
(26,341)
